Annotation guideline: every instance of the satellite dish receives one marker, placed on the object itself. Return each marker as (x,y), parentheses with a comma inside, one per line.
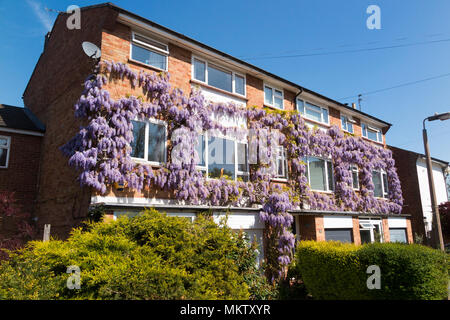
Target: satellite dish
(91,50)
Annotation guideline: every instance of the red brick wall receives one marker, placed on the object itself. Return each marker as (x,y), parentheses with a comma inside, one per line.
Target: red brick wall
(385,227)
(356,234)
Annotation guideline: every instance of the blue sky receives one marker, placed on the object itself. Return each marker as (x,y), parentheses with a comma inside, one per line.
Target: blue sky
(301,41)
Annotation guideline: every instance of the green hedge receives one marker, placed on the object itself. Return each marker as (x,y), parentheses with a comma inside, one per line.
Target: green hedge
(335,270)
(151,256)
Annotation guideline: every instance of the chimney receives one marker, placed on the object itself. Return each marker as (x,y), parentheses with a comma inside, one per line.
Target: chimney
(353,105)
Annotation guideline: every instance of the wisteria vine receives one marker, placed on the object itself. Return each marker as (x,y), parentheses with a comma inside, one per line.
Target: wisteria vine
(101,151)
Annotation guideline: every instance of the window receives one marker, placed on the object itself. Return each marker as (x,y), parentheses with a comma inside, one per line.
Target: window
(380,182)
(312,112)
(221,157)
(218,77)
(273,97)
(397,235)
(281,163)
(148,51)
(149,141)
(343,235)
(372,133)
(370,230)
(347,124)
(5,144)
(355,177)
(320,174)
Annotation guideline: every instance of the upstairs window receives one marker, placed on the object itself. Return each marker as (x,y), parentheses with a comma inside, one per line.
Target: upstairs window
(313,112)
(355,177)
(218,77)
(281,164)
(273,97)
(347,124)
(371,133)
(5,144)
(149,141)
(148,51)
(380,182)
(320,174)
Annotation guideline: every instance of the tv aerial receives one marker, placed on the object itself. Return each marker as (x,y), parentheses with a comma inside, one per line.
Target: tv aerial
(91,50)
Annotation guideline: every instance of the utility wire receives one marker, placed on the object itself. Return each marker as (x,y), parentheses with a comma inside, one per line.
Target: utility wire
(398,86)
(350,51)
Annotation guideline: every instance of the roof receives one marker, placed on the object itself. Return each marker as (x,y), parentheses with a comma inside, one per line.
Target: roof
(227,56)
(421,155)
(19,118)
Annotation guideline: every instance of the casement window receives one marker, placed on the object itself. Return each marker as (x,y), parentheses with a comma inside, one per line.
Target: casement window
(380,182)
(397,235)
(149,141)
(371,133)
(5,146)
(149,51)
(320,174)
(313,112)
(343,235)
(347,123)
(370,230)
(355,177)
(273,97)
(281,168)
(217,76)
(221,157)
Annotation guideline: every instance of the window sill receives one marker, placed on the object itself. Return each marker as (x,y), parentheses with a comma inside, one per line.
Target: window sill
(150,163)
(316,122)
(273,107)
(322,191)
(132,61)
(232,94)
(374,141)
(279,180)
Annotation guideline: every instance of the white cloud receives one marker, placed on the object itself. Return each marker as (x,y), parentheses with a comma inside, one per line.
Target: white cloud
(41,13)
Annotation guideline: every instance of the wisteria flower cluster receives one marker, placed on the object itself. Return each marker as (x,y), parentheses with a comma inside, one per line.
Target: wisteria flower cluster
(101,151)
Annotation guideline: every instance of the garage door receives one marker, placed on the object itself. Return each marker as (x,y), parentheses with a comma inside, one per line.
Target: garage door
(343,235)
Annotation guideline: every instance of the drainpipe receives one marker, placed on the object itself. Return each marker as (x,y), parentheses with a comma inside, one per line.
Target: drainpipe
(295,98)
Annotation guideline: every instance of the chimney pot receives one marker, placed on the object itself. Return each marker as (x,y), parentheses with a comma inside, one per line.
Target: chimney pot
(354,105)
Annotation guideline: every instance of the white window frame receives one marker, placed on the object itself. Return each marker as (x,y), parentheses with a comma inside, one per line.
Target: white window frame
(273,88)
(352,170)
(326,173)
(348,121)
(150,48)
(369,224)
(365,127)
(145,159)
(237,172)
(383,191)
(8,150)
(218,66)
(305,116)
(281,153)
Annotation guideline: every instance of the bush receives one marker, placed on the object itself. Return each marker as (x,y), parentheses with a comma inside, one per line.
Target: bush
(334,270)
(150,256)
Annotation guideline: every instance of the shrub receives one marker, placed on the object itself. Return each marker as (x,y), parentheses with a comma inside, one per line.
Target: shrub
(334,270)
(150,256)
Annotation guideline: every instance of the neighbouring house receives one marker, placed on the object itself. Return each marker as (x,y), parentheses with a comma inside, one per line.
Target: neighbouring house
(413,174)
(21,135)
(139,44)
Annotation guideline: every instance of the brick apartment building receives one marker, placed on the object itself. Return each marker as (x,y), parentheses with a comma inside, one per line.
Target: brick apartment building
(56,84)
(20,149)
(413,175)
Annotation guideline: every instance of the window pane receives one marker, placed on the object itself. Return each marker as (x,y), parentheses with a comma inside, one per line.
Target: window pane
(3,142)
(239,84)
(344,123)
(364,130)
(300,106)
(3,154)
(372,135)
(385,185)
(325,115)
(219,79)
(376,180)
(397,235)
(138,143)
(355,178)
(317,174)
(365,236)
(242,157)
(200,148)
(268,95)
(343,235)
(313,112)
(148,57)
(278,102)
(156,142)
(220,158)
(199,70)
(350,127)
(330,175)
